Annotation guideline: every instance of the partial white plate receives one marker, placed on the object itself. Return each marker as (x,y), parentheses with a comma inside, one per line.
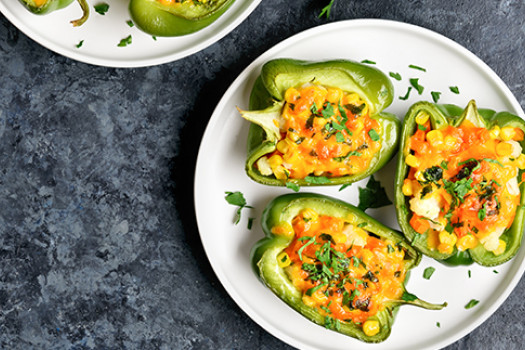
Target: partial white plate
(102,33)
(220,167)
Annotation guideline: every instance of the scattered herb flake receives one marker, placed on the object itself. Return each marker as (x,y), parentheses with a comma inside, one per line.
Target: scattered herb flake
(438,325)
(396,76)
(413,66)
(326,10)
(101,8)
(421,127)
(293,186)
(80,43)
(317,180)
(373,196)
(404,98)
(368,62)
(130,23)
(154,37)
(495,271)
(435,96)
(237,199)
(471,304)
(344,186)
(428,272)
(374,135)
(415,84)
(125,42)
(454,89)
(250,223)
(469,274)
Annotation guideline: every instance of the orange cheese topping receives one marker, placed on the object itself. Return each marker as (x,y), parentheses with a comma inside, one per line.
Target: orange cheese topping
(462,184)
(343,272)
(326,132)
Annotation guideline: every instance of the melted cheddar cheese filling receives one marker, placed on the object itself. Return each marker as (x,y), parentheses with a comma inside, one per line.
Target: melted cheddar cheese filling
(324,132)
(463,184)
(344,272)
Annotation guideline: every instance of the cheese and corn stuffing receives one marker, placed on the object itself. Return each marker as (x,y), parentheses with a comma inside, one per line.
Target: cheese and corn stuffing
(324,132)
(463,184)
(343,272)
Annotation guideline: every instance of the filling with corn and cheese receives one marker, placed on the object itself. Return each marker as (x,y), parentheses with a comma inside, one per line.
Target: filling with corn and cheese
(463,184)
(324,132)
(346,273)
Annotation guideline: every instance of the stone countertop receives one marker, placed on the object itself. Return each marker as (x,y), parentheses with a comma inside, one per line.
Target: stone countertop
(99,247)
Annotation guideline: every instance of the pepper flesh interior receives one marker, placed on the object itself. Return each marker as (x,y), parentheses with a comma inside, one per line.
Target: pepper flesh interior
(324,132)
(463,184)
(343,272)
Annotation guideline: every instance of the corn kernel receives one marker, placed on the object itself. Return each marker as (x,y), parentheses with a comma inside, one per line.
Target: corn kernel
(494,132)
(309,301)
(371,327)
(507,133)
(445,248)
(339,238)
(291,95)
(501,247)
(334,95)
(320,122)
(503,149)
(275,161)
(407,188)
(422,118)
(283,260)
(435,137)
(309,214)
(520,161)
(282,146)
(449,142)
(467,242)
(353,99)
(281,172)
(412,161)
(419,176)
(283,229)
(448,238)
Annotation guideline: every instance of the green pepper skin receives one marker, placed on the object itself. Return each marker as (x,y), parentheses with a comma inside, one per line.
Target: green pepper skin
(280,74)
(264,257)
(162,20)
(440,117)
(53,5)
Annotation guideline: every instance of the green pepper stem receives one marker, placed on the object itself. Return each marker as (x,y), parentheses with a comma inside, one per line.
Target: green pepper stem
(85,13)
(421,303)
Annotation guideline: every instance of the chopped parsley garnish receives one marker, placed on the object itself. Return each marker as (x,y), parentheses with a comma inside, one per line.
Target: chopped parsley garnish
(417,67)
(317,180)
(237,199)
(396,76)
(373,195)
(428,272)
(368,62)
(493,161)
(326,10)
(293,186)
(471,304)
(250,223)
(454,89)
(310,240)
(482,213)
(344,186)
(125,42)
(435,96)
(433,174)
(415,84)
(101,8)
(130,23)
(374,135)
(496,272)
(328,110)
(469,274)
(438,324)
(80,43)
(404,98)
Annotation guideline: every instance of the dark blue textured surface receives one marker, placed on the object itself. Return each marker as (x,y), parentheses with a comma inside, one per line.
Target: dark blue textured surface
(99,247)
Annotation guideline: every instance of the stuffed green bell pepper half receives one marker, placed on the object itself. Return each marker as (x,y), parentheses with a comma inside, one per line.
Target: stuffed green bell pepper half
(459,185)
(319,123)
(42,7)
(176,17)
(335,265)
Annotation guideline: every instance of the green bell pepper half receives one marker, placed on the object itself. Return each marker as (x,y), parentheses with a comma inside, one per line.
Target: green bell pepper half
(267,101)
(265,263)
(52,5)
(181,18)
(440,117)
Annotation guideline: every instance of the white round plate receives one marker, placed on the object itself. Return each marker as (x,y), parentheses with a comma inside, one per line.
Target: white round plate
(220,167)
(101,34)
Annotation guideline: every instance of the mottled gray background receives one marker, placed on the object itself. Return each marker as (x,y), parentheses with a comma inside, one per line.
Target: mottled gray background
(99,247)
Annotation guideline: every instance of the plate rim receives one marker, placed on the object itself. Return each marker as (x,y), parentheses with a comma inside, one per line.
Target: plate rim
(139,63)
(271,52)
